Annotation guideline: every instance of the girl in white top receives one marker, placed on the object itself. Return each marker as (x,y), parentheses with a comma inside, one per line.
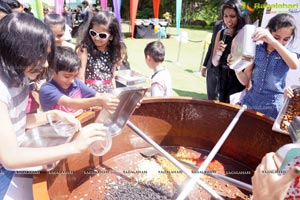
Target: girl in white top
(27,48)
(161,84)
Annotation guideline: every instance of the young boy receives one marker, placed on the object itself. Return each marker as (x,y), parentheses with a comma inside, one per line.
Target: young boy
(66,92)
(161,84)
(57,25)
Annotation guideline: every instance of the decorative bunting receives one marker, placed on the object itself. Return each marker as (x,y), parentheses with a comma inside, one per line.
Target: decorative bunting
(59,6)
(104,4)
(133,10)
(156,8)
(36,8)
(117,11)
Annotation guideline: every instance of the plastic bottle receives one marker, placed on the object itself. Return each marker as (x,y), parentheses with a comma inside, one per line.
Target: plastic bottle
(100,147)
(286,154)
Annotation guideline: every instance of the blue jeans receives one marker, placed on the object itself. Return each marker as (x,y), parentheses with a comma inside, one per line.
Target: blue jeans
(5,179)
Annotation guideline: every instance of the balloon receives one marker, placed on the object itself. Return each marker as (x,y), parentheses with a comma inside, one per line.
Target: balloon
(156,28)
(163,32)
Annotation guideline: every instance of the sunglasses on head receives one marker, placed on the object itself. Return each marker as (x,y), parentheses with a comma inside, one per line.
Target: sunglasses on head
(101,35)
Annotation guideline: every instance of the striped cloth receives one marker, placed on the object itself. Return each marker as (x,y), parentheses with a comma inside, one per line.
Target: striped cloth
(16,99)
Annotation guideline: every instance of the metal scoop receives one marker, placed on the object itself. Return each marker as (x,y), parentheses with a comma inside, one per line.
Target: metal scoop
(294,129)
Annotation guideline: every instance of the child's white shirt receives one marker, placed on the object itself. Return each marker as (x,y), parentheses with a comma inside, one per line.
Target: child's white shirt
(161,84)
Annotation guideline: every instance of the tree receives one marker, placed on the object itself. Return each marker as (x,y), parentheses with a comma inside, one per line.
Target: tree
(207,10)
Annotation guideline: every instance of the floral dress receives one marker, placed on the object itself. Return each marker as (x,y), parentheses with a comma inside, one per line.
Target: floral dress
(99,72)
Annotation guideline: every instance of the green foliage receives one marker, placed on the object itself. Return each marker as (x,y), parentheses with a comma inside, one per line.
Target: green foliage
(196,27)
(145,13)
(145,10)
(209,13)
(207,10)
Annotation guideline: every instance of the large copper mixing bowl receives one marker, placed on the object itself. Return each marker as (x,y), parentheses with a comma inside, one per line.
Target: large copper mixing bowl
(179,121)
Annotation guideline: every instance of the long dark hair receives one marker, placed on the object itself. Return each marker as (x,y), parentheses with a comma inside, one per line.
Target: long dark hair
(85,40)
(24,42)
(236,5)
(282,20)
(4,7)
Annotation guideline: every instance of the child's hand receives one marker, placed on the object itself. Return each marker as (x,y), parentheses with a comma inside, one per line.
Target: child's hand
(139,104)
(58,115)
(203,71)
(288,92)
(110,102)
(268,184)
(264,35)
(88,135)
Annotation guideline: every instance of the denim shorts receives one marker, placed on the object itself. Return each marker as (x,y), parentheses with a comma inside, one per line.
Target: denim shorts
(5,179)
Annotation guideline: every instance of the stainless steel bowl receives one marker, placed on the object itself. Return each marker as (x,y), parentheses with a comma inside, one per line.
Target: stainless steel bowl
(287,112)
(129,77)
(129,98)
(44,136)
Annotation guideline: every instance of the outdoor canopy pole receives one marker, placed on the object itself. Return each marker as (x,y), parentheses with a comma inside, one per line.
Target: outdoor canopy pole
(179,49)
(213,152)
(156,8)
(174,161)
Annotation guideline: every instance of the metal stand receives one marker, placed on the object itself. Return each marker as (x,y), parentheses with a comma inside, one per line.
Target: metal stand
(204,51)
(179,49)
(182,38)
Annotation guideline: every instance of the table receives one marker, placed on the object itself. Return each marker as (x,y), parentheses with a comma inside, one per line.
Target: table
(145,28)
(129,77)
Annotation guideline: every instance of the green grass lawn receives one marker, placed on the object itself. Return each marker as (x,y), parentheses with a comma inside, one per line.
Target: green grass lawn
(183,61)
